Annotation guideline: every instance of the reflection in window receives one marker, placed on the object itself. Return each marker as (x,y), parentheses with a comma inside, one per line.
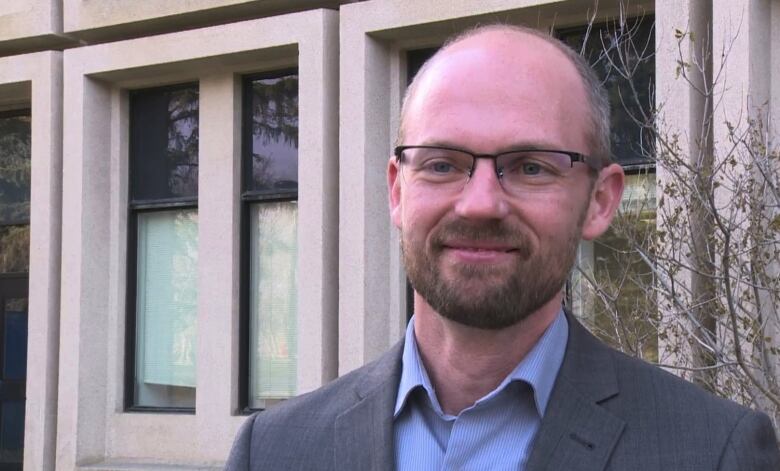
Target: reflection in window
(274,123)
(622,56)
(165,140)
(624,316)
(15,191)
(613,302)
(270,183)
(164,228)
(14,248)
(15,168)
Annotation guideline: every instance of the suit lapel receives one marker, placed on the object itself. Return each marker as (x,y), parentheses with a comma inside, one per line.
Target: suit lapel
(577,433)
(364,433)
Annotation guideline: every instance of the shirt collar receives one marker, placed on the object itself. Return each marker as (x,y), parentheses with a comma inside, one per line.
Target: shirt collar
(539,368)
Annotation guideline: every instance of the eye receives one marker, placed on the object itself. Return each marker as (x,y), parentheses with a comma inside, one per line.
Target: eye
(438,165)
(441,167)
(535,164)
(525,167)
(531,168)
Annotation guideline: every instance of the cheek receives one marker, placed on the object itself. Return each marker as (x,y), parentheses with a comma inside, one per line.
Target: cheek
(419,217)
(415,206)
(554,218)
(416,222)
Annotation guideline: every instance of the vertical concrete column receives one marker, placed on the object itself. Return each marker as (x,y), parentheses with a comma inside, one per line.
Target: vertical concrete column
(318,202)
(743,69)
(45,232)
(742,65)
(363,236)
(218,277)
(43,72)
(85,252)
(774,68)
(683,111)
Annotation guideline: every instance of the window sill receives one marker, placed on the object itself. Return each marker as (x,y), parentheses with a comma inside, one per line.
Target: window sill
(115,465)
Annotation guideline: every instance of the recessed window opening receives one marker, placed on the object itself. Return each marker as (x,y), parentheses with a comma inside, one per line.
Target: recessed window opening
(163,248)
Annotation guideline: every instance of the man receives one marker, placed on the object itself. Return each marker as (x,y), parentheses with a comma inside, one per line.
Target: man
(504,166)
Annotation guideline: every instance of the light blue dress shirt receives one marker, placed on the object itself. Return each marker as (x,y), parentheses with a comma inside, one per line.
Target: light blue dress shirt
(496,433)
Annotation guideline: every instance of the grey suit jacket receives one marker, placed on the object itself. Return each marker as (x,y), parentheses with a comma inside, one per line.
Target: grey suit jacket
(607,412)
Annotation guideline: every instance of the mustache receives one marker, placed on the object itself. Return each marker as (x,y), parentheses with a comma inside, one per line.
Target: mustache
(495,231)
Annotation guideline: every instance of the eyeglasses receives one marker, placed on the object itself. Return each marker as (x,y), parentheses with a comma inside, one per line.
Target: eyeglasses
(518,170)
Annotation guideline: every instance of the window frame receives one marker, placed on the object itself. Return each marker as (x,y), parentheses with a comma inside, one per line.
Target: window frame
(134,208)
(247,199)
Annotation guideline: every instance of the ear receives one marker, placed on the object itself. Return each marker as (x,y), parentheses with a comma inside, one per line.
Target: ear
(604,201)
(394,190)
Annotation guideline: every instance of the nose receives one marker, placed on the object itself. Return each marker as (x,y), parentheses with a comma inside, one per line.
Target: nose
(482,197)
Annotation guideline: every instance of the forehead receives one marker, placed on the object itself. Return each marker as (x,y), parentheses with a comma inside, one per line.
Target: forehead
(497,88)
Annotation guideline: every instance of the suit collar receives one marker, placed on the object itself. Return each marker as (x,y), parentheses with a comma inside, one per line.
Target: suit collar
(364,432)
(577,433)
(539,368)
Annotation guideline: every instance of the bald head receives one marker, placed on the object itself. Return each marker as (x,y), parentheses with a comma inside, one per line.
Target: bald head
(503,59)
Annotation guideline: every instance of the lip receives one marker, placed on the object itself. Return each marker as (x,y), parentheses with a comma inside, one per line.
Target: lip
(480,251)
(479,246)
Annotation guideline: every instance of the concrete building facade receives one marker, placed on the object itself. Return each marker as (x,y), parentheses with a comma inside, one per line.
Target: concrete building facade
(78,70)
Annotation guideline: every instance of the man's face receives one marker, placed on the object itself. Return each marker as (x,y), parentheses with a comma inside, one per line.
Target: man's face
(480,256)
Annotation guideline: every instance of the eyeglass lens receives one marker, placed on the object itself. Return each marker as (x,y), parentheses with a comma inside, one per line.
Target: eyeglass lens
(521,171)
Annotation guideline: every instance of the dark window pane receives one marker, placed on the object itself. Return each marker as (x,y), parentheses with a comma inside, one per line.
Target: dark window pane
(614,52)
(415,60)
(14,249)
(14,169)
(274,137)
(11,431)
(15,344)
(164,143)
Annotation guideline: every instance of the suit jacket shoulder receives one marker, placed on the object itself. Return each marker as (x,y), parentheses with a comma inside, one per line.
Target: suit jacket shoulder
(611,411)
(324,429)
(607,411)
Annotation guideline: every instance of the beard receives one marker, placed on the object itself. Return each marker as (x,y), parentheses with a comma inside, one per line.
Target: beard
(487,296)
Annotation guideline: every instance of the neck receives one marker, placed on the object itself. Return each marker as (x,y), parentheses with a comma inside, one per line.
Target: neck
(465,363)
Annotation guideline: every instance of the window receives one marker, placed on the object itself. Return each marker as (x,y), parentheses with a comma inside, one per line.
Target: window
(622,56)
(14,191)
(628,321)
(163,248)
(14,268)
(614,303)
(269,237)
(415,59)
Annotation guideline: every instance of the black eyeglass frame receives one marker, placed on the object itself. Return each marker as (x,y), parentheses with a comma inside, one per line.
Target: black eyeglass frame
(593,164)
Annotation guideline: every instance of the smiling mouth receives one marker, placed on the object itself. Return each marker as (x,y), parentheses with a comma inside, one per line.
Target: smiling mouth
(480,246)
(481,249)
(484,242)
